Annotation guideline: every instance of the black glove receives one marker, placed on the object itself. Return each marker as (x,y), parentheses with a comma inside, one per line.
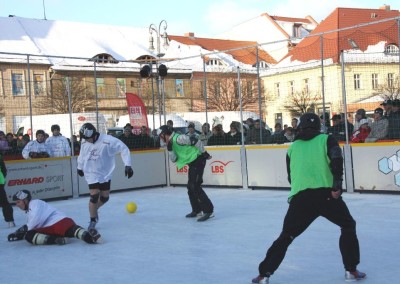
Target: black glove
(337,184)
(206,155)
(33,155)
(80,173)
(18,234)
(43,155)
(128,171)
(169,146)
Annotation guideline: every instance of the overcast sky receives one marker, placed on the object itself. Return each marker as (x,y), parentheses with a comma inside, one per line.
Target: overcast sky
(204,18)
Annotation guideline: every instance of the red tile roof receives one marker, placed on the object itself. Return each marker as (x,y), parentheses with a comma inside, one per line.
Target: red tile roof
(246,56)
(310,49)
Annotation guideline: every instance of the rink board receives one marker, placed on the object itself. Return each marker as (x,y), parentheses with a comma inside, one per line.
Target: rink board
(223,169)
(148,167)
(44,178)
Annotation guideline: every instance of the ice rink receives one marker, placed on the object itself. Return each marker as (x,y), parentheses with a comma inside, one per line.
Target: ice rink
(158,244)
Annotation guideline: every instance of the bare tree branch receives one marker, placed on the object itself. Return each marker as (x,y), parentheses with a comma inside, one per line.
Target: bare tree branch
(222,94)
(56,101)
(301,102)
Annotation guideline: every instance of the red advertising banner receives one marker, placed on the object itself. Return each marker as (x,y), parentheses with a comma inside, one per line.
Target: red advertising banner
(137,112)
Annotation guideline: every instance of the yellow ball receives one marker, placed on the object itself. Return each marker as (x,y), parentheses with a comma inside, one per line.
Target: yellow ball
(131,207)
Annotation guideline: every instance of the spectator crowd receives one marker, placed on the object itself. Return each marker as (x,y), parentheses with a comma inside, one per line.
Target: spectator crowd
(384,125)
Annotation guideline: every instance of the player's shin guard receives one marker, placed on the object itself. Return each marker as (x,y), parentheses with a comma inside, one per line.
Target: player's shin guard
(104,199)
(36,238)
(80,233)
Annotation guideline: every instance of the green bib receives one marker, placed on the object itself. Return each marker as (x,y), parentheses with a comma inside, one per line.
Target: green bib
(309,164)
(185,153)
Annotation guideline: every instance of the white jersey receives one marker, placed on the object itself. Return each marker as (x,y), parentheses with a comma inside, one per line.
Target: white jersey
(35,146)
(59,146)
(97,160)
(41,214)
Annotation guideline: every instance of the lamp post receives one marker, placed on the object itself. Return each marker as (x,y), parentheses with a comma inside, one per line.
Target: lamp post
(161,69)
(164,36)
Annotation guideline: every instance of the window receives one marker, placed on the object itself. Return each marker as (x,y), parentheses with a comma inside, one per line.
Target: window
(306,86)
(121,87)
(179,88)
(291,87)
(262,64)
(391,49)
(374,81)
(17,84)
(236,88)
(104,58)
(249,89)
(101,87)
(357,81)
(297,30)
(277,89)
(1,84)
(215,62)
(38,84)
(217,89)
(390,79)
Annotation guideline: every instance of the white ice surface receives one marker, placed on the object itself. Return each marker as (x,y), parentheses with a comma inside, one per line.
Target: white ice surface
(158,244)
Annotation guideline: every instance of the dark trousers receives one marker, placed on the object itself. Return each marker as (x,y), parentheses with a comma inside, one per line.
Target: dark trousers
(304,208)
(197,197)
(6,206)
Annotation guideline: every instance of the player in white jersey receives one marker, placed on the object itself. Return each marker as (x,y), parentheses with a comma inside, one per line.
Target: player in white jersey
(46,225)
(96,162)
(58,144)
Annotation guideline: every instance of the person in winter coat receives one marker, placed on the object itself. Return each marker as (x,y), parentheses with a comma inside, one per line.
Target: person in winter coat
(5,205)
(58,144)
(37,148)
(234,136)
(315,171)
(362,132)
(379,128)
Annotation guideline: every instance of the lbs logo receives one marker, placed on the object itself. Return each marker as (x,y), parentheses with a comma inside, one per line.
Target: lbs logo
(184,170)
(219,167)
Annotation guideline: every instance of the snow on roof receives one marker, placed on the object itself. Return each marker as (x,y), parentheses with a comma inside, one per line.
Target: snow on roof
(71,39)
(70,45)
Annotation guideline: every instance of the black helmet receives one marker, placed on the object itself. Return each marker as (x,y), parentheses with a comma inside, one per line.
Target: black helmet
(22,194)
(310,120)
(87,131)
(164,129)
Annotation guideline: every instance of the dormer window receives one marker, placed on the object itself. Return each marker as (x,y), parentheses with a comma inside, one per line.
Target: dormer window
(104,58)
(391,49)
(262,64)
(215,62)
(297,30)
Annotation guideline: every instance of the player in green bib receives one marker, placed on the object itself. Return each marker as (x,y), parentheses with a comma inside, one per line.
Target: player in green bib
(315,171)
(184,150)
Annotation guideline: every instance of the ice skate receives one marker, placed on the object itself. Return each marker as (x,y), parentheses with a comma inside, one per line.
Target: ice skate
(95,235)
(61,241)
(354,276)
(260,280)
(205,217)
(193,214)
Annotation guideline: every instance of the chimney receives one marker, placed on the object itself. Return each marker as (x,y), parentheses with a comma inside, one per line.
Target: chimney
(189,34)
(385,7)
